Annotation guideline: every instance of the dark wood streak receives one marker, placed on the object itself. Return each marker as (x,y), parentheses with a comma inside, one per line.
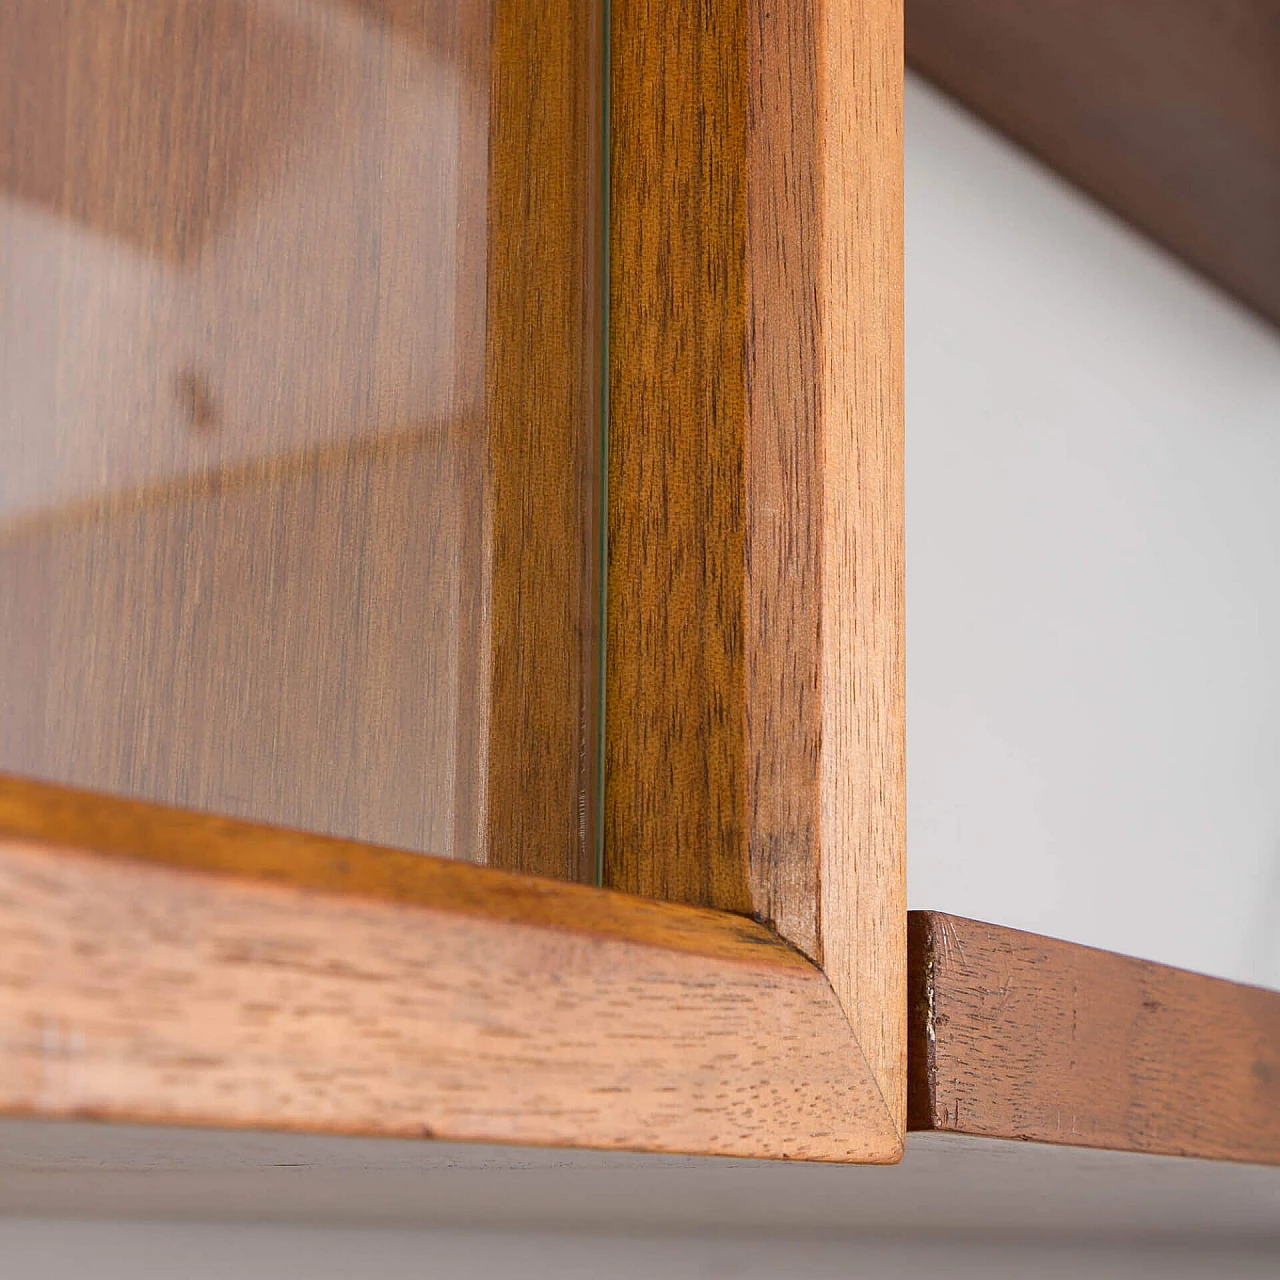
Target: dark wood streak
(542,478)
(675,757)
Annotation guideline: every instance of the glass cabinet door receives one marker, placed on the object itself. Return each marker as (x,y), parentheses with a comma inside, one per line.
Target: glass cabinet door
(299,414)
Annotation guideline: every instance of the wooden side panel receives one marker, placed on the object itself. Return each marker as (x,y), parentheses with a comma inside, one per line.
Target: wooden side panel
(1165,110)
(1018,1036)
(755,737)
(541,574)
(428,999)
(783,475)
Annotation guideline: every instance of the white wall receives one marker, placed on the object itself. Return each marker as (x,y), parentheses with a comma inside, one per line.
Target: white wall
(1093,570)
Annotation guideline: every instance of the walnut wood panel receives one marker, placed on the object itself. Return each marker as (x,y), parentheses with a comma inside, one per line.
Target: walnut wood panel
(428,999)
(1018,1036)
(1164,111)
(287,461)
(543,453)
(754,743)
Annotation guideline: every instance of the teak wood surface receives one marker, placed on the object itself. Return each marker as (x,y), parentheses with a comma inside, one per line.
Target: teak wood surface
(164,966)
(1165,110)
(1019,1036)
(754,708)
(299,404)
(317,545)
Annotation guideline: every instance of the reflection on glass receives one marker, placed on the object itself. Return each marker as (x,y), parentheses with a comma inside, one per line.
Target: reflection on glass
(243,523)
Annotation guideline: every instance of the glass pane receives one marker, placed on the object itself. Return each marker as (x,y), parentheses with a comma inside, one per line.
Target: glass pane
(299,413)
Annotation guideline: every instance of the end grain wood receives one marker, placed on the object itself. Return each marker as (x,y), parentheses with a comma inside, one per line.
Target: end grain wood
(329,987)
(754,744)
(1018,1036)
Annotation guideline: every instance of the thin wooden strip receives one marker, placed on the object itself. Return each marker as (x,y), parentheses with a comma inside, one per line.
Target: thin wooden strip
(146,993)
(538,570)
(205,842)
(862,783)
(785,602)
(1018,1036)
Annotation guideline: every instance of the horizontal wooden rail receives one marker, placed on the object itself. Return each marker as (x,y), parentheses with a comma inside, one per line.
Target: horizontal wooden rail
(165,966)
(1018,1036)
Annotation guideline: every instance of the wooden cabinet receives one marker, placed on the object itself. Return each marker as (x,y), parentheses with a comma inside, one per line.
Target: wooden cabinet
(1165,112)
(304,338)
(322,576)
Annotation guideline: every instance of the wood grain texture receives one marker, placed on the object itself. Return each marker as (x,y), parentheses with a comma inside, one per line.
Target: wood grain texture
(298,412)
(754,745)
(542,575)
(439,1000)
(1018,1036)
(198,647)
(675,763)
(182,839)
(1166,112)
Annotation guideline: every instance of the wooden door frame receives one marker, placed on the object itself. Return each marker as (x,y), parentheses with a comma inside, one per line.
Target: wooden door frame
(755,729)
(169,966)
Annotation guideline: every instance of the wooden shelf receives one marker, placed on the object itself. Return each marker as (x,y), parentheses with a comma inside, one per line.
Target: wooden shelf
(1018,1036)
(158,966)
(1166,112)
(164,966)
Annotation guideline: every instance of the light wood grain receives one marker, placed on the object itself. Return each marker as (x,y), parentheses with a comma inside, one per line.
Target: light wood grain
(1018,1036)
(298,413)
(442,1000)
(754,746)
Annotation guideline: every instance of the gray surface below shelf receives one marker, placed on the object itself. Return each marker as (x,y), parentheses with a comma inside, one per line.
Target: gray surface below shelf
(946,1184)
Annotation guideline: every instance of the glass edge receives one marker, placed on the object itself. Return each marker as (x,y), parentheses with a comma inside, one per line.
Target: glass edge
(606,100)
